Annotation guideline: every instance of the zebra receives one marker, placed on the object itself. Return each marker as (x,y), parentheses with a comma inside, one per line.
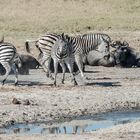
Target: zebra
(82,44)
(44,45)
(99,39)
(9,59)
(62,53)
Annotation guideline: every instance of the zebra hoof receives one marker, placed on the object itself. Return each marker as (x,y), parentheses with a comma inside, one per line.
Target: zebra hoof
(62,81)
(52,78)
(47,74)
(86,78)
(76,73)
(75,83)
(16,83)
(2,83)
(54,83)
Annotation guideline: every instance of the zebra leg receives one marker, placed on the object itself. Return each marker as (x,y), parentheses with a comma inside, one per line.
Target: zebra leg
(70,67)
(64,70)
(55,70)
(14,67)
(46,67)
(45,61)
(78,60)
(7,67)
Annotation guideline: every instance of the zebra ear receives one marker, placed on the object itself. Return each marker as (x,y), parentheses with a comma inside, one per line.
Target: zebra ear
(63,36)
(67,37)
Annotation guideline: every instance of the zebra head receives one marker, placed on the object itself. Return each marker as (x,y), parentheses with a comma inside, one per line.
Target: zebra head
(63,47)
(103,47)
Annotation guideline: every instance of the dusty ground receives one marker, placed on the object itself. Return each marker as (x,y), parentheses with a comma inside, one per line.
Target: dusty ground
(108,89)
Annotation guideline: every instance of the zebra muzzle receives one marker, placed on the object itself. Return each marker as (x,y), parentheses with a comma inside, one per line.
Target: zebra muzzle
(61,55)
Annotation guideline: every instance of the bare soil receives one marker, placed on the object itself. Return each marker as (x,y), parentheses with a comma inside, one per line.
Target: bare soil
(107,89)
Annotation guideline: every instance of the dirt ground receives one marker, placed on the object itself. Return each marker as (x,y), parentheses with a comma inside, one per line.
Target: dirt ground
(107,89)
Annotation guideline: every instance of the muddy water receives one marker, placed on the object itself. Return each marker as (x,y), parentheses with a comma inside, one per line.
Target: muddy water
(76,126)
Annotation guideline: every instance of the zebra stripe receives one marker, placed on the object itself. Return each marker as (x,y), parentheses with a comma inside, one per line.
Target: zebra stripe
(46,42)
(8,57)
(92,41)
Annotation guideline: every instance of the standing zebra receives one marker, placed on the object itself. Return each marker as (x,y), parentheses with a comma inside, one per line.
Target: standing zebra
(9,60)
(62,53)
(44,44)
(81,46)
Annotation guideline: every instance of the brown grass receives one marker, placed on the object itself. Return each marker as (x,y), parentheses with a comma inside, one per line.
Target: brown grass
(22,19)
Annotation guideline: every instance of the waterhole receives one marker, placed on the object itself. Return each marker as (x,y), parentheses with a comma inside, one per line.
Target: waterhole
(75,126)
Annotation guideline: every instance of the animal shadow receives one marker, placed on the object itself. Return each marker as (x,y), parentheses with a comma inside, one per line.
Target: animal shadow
(87,71)
(104,78)
(105,84)
(25,83)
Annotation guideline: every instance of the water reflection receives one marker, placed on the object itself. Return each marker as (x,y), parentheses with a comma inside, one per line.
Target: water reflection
(79,126)
(50,130)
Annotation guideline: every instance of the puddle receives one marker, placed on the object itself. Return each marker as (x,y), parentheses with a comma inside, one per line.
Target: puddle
(76,126)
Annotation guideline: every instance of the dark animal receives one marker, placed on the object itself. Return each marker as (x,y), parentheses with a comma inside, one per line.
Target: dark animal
(28,62)
(2,70)
(125,56)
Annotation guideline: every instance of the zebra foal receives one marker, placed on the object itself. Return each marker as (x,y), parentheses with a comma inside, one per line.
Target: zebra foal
(62,53)
(9,59)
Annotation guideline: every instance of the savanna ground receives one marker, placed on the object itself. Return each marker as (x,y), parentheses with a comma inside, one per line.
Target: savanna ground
(108,89)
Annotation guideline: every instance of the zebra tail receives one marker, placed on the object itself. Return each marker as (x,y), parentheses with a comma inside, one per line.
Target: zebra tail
(28,46)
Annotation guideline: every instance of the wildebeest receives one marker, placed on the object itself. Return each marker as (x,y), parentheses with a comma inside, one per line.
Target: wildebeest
(125,56)
(2,70)
(28,62)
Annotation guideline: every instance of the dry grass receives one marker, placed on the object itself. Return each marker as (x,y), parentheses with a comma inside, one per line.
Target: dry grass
(22,19)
